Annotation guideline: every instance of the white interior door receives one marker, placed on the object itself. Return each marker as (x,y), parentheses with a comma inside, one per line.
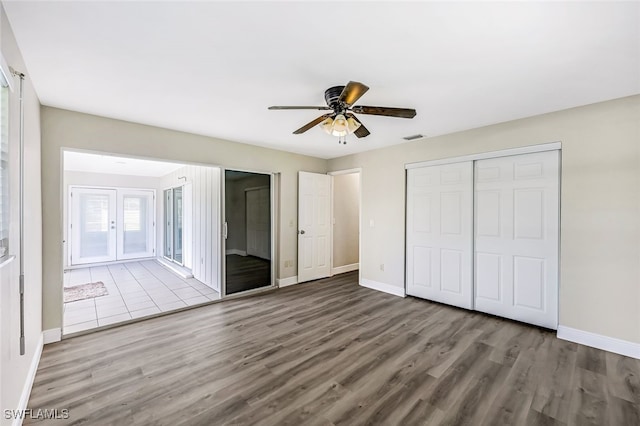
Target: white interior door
(516,241)
(136,223)
(258,222)
(439,233)
(314,226)
(92,225)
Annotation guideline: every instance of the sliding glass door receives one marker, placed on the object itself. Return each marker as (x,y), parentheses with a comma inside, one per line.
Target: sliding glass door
(174,214)
(248,236)
(109,224)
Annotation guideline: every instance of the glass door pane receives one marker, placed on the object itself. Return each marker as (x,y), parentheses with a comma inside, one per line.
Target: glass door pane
(135,223)
(93,225)
(168,220)
(247,248)
(177,224)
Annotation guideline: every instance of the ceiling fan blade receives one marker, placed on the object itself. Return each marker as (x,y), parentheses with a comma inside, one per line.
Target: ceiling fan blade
(386,111)
(312,123)
(301,107)
(352,92)
(361,132)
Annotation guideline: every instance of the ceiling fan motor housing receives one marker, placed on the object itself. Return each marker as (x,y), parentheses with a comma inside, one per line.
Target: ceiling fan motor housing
(332,96)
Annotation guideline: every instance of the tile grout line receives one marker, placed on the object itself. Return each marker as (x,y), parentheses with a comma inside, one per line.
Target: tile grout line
(144,289)
(177,295)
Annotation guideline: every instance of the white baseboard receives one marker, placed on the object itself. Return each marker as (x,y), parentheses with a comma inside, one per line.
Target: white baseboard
(345,268)
(52,335)
(28,384)
(386,288)
(236,251)
(284,282)
(610,344)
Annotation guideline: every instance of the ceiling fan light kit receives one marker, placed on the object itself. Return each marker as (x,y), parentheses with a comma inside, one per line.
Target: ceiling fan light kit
(342,121)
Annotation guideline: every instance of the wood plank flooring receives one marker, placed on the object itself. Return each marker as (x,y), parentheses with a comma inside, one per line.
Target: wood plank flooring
(333,353)
(246,273)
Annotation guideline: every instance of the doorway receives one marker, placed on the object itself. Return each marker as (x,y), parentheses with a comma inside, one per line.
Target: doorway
(345,207)
(118,265)
(328,224)
(248,236)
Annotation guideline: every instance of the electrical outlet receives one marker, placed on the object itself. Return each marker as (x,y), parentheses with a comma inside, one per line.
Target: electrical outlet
(382,267)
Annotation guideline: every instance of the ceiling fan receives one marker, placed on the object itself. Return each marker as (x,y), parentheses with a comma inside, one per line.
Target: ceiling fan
(341,120)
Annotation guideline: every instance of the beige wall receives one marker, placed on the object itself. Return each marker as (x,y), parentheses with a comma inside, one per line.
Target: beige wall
(600,206)
(14,368)
(346,219)
(61,128)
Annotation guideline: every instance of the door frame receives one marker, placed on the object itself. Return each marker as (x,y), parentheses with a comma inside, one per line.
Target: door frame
(357,170)
(273,181)
(529,149)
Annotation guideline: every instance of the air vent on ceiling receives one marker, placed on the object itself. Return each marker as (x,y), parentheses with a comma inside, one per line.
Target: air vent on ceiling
(413,137)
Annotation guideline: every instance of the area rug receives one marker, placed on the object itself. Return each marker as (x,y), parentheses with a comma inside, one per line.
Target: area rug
(84,291)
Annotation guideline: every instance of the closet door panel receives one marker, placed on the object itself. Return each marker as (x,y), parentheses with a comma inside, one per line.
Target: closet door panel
(439,233)
(516,237)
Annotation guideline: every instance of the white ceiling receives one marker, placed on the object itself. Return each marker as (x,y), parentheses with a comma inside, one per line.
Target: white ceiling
(96,163)
(213,68)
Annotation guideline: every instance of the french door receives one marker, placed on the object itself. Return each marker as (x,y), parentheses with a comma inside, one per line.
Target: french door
(135,219)
(93,225)
(108,224)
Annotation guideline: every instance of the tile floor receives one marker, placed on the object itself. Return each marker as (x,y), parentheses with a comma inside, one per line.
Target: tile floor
(136,290)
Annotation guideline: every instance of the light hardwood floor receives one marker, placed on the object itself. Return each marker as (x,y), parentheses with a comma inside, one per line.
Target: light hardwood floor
(331,352)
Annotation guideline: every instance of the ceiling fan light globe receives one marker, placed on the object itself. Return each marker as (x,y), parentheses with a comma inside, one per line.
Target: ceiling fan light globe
(326,125)
(340,124)
(352,125)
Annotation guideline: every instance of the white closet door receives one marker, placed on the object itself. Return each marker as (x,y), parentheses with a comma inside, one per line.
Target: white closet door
(439,233)
(516,237)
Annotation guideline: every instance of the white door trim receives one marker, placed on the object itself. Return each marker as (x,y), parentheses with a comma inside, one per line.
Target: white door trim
(553,146)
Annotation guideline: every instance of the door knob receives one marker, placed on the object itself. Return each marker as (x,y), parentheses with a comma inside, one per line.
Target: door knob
(301,231)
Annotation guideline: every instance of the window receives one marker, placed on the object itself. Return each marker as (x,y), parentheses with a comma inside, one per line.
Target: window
(4,172)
